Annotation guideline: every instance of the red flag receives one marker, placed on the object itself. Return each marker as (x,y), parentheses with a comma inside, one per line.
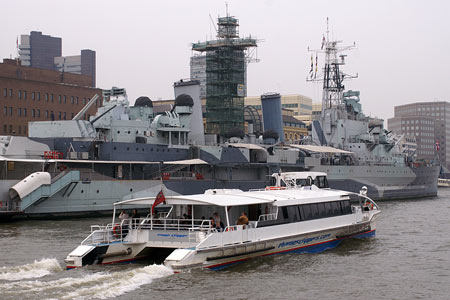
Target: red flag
(158,200)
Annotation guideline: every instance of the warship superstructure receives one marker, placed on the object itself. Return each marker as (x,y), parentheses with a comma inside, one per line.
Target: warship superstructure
(377,160)
(79,167)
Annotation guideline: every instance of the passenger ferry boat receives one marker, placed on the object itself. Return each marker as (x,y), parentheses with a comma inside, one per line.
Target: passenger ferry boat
(284,218)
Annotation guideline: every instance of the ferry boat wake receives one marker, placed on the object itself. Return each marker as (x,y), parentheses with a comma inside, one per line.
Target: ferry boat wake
(77,285)
(39,268)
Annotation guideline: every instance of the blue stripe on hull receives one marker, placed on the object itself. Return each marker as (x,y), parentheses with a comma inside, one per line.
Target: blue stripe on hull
(364,235)
(315,248)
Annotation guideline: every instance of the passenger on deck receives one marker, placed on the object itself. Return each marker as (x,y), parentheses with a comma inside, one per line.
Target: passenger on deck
(135,214)
(124,216)
(218,222)
(243,219)
(216,218)
(213,224)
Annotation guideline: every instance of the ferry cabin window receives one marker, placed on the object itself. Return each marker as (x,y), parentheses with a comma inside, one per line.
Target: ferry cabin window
(321,182)
(324,210)
(285,212)
(272,181)
(312,211)
(300,182)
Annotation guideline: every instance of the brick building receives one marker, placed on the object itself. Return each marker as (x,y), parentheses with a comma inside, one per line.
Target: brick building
(30,94)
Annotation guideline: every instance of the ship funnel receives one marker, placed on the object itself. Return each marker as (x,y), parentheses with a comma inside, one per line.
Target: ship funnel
(272,117)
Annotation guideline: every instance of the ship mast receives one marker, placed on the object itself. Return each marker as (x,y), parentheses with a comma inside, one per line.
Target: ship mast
(332,75)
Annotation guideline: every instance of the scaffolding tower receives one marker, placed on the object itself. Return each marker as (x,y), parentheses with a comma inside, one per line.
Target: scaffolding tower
(226,62)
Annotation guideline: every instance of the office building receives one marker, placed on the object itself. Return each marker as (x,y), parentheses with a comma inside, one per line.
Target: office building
(45,52)
(299,104)
(83,64)
(38,51)
(429,123)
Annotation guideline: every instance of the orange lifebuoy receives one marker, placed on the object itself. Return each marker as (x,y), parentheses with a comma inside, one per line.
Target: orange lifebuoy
(274,188)
(116,230)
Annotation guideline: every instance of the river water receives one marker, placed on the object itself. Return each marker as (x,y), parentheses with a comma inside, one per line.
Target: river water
(409,258)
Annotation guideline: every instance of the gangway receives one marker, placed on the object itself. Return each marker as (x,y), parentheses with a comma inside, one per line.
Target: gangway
(31,191)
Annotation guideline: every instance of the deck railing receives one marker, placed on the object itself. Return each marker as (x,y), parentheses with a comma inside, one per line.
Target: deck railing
(104,234)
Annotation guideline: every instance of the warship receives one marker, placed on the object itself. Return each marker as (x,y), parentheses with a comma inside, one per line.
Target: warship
(78,167)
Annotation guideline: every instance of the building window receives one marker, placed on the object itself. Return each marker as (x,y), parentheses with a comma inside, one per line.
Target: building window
(46,114)
(19,94)
(73,115)
(64,115)
(24,114)
(52,115)
(59,115)
(24,95)
(19,112)
(46,97)
(10,129)
(32,95)
(59,98)
(65,99)
(5,92)
(38,113)
(71,99)
(84,101)
(33,112)
(5,128)
(51,97)
(10,111)
(5,110)
(39,96)
(76,100)
(10,92)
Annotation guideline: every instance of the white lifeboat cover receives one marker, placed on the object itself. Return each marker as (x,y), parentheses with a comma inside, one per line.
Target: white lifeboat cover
(29,184)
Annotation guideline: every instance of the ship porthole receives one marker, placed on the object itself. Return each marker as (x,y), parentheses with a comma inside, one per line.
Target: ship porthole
(82,191)
(131,190)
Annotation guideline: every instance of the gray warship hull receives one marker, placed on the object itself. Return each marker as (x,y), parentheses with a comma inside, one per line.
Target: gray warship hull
(94,195)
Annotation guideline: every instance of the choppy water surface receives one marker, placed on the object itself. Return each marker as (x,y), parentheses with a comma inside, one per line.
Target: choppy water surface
(408,259)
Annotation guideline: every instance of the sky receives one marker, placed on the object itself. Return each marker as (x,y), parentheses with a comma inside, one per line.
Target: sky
(402,52)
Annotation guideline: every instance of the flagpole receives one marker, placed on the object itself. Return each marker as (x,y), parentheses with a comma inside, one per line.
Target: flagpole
(17,48)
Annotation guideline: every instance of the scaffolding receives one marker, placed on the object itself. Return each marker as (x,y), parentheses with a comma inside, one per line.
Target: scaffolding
(225,77)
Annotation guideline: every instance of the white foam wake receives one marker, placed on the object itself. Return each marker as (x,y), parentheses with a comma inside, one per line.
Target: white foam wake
(100,285)
(37,269)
